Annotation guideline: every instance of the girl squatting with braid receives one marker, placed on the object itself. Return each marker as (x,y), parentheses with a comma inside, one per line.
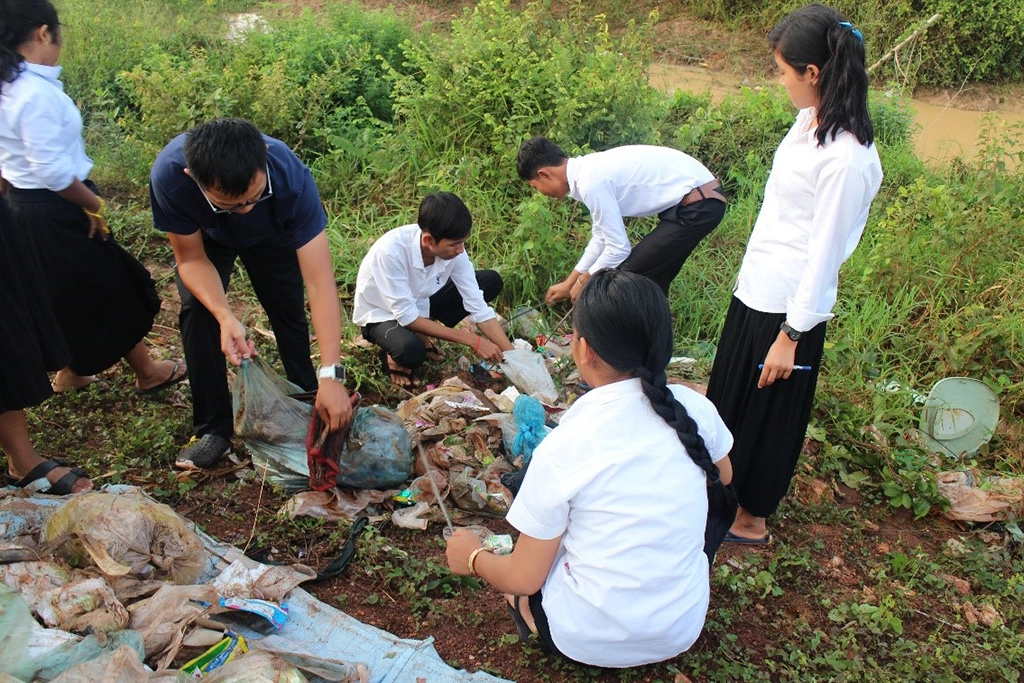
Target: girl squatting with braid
(609,568)
(824,176)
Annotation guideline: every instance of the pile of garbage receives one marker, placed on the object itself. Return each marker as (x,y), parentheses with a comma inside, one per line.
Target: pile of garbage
(112,586)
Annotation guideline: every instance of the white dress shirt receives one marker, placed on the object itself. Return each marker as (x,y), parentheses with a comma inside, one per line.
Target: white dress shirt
(41,145)
(629,584)
(629,181)
(394,284)
(815,207)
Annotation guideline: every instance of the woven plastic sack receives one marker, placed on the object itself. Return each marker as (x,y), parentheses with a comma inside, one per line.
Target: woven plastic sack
(122,534)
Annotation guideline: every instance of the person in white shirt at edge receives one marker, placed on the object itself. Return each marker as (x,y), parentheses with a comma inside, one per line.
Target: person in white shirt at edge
(104,300)
(611,560)
(417,282)
(629,181)
(824,176)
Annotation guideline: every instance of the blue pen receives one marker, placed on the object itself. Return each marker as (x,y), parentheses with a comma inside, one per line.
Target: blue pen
(760,366)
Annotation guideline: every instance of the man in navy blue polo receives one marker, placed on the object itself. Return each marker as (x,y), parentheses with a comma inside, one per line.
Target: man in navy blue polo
(224,191)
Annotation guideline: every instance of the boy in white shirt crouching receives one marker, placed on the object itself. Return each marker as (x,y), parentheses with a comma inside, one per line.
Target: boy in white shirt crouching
(417,283)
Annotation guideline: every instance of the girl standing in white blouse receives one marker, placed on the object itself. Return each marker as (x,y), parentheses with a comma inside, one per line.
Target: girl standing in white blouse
(103,298)
(824,176)
(609,568)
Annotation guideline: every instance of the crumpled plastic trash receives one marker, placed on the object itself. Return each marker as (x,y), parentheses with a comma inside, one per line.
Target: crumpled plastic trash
(15,632)
(128,534)
(481,491)
(164,618)
(251,580)
(116,658)
(334,505)
(526,369)
(256,667)
(274,428)
(976,498)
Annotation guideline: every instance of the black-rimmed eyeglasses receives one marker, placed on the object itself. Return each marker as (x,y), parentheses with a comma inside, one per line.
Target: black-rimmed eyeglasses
(268,192)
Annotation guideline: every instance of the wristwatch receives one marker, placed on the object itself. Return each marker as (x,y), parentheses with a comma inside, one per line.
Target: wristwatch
(790,332)
(335,372)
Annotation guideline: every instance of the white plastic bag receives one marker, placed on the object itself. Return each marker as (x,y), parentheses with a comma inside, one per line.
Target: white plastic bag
(527,371)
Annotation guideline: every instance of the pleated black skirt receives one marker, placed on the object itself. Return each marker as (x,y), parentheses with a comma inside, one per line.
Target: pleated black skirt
(768,424)
(31,342)
(104,300)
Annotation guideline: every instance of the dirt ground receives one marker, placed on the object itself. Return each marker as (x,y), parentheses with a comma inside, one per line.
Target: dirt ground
(395,583)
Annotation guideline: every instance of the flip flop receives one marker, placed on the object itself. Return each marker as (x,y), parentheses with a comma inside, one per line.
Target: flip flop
(525,634)
(730,537)
(36,482)
(171,380)
(397,372)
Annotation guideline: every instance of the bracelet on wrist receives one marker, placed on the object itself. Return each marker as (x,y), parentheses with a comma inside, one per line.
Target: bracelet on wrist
(472,560)
(476,346)
(98,213)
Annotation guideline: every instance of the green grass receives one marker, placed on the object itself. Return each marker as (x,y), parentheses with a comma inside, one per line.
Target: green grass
(933,290)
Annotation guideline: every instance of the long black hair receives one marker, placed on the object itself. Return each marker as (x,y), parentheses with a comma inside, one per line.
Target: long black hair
(18,19)
(819,35)
(625,318)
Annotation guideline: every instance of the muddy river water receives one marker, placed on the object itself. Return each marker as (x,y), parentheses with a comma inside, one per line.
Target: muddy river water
(943,132)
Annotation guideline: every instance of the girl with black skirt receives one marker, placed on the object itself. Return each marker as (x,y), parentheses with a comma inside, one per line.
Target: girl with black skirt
(104,300)
(824,176)
(31,344)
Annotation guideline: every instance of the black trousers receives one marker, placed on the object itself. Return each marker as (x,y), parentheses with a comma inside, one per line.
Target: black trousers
(404,345)
(274,272)
(662,252)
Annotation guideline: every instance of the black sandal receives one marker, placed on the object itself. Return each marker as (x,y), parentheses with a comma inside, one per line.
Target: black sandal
(36,481)
(397,372)
(525,634)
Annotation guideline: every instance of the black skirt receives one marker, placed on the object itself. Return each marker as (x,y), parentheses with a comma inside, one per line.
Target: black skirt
(31,342)
(104,300)
(768,424)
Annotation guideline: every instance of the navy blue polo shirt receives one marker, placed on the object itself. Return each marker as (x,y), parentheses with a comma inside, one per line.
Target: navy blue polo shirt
(292,217)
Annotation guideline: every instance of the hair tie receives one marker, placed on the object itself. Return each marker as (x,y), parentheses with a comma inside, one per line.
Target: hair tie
(856,32)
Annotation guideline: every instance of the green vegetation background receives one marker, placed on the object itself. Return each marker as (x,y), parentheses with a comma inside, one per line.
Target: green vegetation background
(384,113)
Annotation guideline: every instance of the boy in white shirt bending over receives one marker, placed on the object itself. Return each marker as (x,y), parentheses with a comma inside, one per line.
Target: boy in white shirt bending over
(417,282)
(629,181)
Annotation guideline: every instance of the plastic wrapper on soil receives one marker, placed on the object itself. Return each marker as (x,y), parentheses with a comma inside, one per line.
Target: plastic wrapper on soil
(124,534)
(976,498)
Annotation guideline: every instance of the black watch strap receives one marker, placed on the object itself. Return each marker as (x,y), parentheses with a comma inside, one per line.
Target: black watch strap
(790,332)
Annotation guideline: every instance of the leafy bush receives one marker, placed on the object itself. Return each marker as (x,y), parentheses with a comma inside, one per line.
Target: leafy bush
(505,74)
(310,81)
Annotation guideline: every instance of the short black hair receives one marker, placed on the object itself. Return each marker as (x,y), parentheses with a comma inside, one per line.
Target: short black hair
(444,216)
(225,154)
(536,153)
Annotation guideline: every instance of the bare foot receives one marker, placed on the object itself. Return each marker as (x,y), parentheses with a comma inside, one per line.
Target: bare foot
(68,380)
(163,374)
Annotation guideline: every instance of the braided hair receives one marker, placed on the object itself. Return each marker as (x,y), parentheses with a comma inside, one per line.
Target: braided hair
(819,35)
(625,318)
(18,19)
